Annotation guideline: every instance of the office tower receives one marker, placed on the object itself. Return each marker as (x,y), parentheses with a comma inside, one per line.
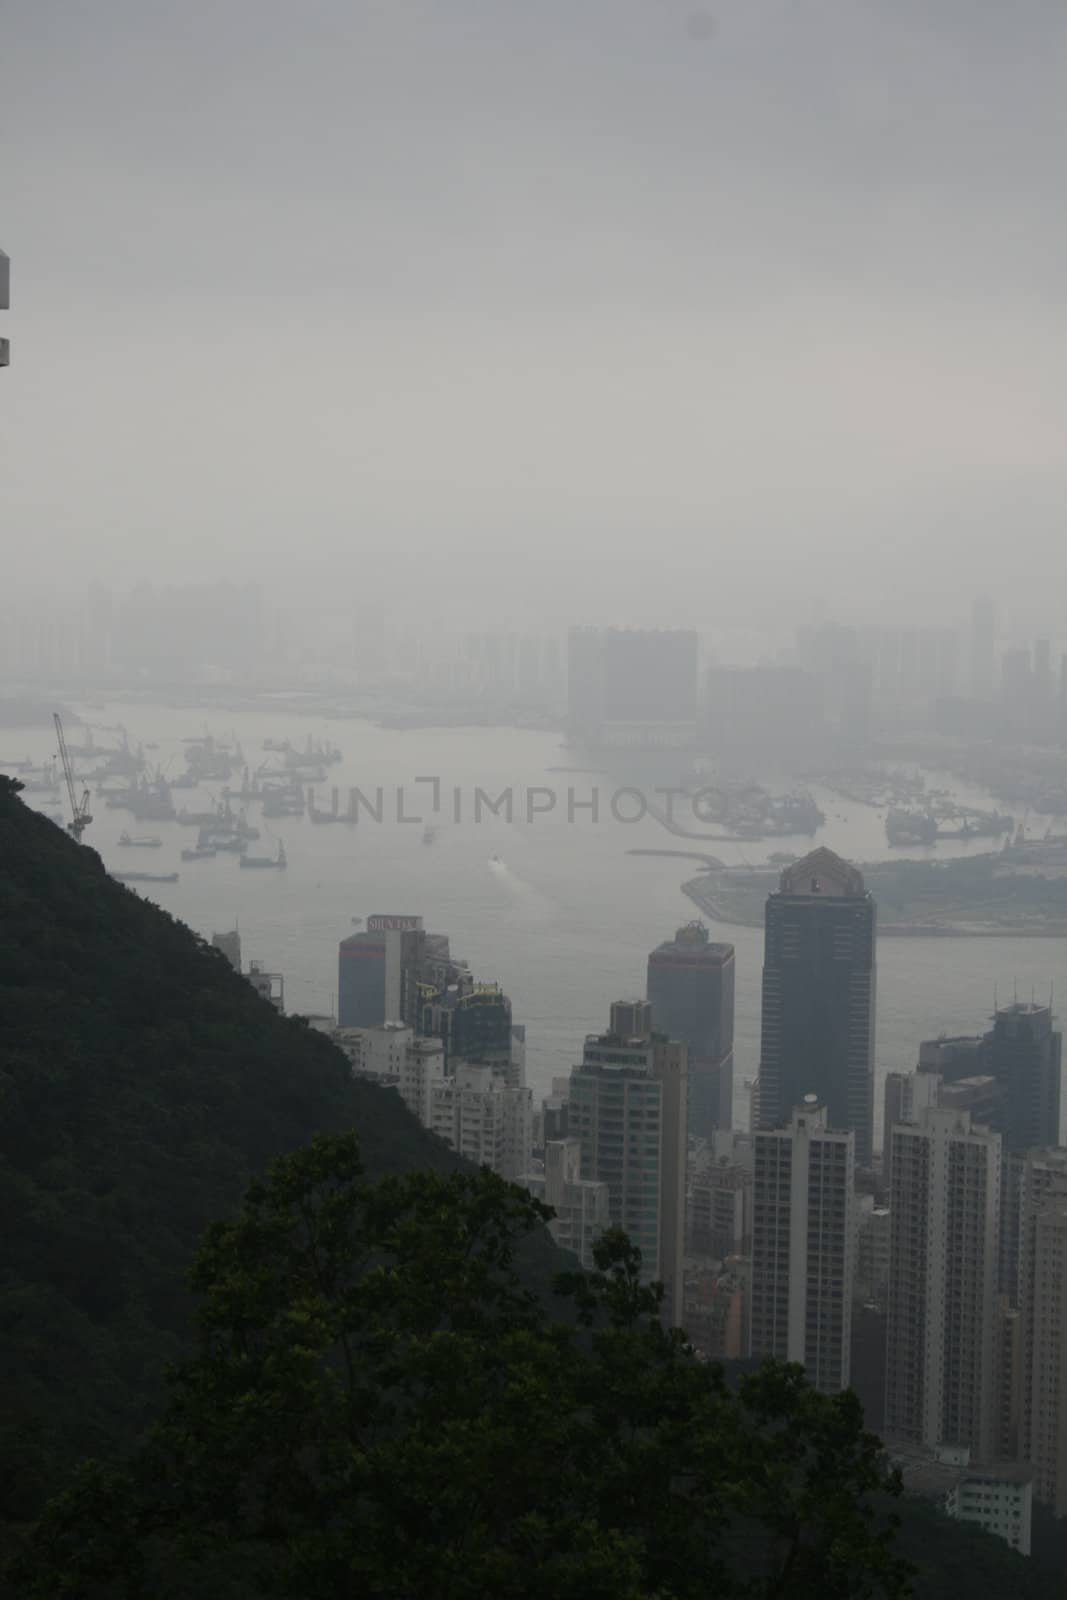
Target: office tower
(817,1024)
(691,992)
(473,1020)
(983,649)
(1023,1052)
(952,1056)
(943,1250)
(382,968)
(627,1107)
(582,1207)
(803,1245)
(1042,1416)
(230,945)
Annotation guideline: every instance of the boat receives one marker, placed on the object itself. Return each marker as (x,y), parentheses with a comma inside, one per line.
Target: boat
(201,853)
(287,802)
(227,842)
(266,861)
(144,841)
(146,877)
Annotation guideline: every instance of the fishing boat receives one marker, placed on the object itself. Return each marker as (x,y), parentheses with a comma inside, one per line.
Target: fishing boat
(266,861)
(201,853)
(143,841)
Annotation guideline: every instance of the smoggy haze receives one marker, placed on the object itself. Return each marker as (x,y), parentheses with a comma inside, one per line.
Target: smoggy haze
(586,308)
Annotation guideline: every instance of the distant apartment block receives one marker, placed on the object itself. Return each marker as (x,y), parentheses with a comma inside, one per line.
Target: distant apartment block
(943,1271)
(1043,1325)
(582,1207)
(627,1108)
(633,686)
(803,1246)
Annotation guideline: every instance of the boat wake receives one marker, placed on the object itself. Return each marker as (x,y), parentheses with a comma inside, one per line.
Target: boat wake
(527,901)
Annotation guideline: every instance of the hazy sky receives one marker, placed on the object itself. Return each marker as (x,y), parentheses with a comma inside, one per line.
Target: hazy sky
(573,308)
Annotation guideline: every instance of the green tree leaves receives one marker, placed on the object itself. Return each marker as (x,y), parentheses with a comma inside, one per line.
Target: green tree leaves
(378,1407)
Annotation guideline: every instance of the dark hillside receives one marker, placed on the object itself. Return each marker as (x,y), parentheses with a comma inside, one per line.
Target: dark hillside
(142,1082)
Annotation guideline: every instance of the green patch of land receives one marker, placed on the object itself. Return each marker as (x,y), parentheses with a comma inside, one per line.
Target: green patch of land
(974,897)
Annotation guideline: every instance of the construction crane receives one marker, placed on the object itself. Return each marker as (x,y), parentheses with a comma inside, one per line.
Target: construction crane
(80,818)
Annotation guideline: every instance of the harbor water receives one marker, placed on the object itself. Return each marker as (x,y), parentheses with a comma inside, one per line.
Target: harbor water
(551,903)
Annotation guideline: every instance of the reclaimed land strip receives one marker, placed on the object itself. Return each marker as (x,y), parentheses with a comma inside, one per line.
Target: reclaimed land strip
(957,922)
(712,863)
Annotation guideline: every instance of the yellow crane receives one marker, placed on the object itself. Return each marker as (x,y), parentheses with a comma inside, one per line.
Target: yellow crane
(80,818)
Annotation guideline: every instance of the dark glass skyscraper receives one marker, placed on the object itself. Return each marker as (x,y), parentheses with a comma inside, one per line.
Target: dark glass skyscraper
(1023,1053)
(691,991)
(817,1034)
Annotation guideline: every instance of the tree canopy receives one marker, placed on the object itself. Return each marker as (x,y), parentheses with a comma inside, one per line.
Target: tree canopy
(377,1406)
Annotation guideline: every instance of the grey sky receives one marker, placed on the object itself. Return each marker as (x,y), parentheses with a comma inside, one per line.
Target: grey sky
(572,309)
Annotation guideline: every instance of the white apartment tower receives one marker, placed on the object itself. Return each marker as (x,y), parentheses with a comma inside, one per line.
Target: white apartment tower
(803,1245)
(941,1361)
(485,1118)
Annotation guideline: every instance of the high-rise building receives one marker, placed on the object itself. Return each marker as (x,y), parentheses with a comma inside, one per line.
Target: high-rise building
(582,1207)
(488,1120)
(473,1020)
(983,649)
(691,992)
(943,1268)
(803,1246)
(381,968)
(633,685)
(1042,1412)
(585,682)
(762,709)
(270,986)
(905,1095)
(627,1108)
(230,945)
(997,1497)
(5,303)
(817,1025)
(719,1201)
(1024,1053)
